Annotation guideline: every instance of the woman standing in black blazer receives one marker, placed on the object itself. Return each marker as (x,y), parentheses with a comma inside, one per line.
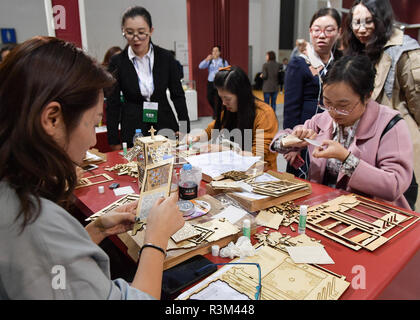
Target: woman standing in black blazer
(143,72)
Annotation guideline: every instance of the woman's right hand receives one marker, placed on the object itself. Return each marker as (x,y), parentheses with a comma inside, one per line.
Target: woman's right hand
(163,221)
(209,57)
(303,133)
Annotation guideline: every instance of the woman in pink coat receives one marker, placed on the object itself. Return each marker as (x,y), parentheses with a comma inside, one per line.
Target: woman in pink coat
(355,153)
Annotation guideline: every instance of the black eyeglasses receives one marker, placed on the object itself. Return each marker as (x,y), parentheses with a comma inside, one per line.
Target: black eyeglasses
(131,35)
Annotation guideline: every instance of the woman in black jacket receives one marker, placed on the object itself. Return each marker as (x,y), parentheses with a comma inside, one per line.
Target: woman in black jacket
(143,72)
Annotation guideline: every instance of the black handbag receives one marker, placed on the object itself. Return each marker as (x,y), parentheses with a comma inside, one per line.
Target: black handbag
(411,193)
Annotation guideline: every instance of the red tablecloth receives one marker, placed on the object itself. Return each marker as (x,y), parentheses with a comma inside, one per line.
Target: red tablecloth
(380,266)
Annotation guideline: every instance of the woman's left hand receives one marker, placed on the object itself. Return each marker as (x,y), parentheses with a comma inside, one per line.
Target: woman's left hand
(117,221)
(331,149)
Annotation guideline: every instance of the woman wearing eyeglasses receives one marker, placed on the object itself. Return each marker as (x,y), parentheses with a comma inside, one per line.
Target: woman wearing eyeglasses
(369,30)
(143,72)
(358,153)
(302,84)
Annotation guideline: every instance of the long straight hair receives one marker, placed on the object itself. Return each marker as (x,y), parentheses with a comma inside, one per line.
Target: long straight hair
(39,71)
(236,81)
(383,18)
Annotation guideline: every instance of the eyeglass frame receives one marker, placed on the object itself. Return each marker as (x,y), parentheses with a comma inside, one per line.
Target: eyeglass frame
(328,33)
(362,22)
(338,111)
(136,34)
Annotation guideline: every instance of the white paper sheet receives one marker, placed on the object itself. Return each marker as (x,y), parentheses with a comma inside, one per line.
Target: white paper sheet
(219,290)
(216,163)
(92,157)
(231,213)
(207,280)
(123,190)
(309,254)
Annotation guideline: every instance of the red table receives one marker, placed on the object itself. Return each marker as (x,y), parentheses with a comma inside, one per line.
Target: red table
(399,258)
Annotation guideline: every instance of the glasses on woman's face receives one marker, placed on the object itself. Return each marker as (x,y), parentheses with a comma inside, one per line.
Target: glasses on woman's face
(131,35)
(328,31)
(344,111)
(368,23)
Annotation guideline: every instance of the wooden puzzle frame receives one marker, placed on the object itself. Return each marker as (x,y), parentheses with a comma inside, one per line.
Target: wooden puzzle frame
(276,188)
(341,220)
(122,201)
(86,181)
(281,278)
(152,189)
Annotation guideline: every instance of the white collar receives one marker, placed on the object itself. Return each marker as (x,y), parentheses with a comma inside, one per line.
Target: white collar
(132,55)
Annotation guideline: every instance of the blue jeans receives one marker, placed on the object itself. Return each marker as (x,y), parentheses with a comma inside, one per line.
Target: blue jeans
(273,96)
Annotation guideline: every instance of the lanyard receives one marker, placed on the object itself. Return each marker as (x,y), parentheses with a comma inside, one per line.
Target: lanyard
(350,136)
(148,85)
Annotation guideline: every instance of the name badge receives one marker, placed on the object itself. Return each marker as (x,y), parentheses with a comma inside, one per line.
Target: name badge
(150,112)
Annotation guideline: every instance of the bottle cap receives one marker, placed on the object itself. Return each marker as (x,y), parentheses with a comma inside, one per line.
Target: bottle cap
(187,166)
(138,130)
(247,223)
(303,209)
(215,250)
(101,189)
(124,144)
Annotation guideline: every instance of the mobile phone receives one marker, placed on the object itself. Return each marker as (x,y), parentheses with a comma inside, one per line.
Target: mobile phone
(298,162)
(114,185)
(89,167)
(184,274)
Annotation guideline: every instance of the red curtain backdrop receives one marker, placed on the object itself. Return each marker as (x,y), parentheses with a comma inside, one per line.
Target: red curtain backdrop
(71,32)
(210,23)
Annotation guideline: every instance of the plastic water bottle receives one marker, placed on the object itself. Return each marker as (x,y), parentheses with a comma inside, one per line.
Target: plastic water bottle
(138,134)
(188,188)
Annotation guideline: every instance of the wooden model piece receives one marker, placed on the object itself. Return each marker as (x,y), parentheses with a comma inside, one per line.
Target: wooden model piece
(86,181)
(130,169)
(154,173)
(226,184)
(268,219)
(358,222)
(156,184)
(276,188)
(186,232)
(122,201)
(235,175)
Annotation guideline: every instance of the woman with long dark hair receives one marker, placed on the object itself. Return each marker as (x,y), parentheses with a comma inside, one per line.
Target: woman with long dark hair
(51,98)
(369,30)
(252,122)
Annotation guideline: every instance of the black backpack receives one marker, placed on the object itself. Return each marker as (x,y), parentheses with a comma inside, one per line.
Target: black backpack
(411,193)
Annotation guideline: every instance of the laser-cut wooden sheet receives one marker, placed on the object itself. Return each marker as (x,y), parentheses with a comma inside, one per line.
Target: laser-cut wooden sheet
(358,222)
(93,180)
(281,279)
(122,201)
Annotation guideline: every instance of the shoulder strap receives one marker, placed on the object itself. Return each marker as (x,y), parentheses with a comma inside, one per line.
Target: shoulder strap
(391,123)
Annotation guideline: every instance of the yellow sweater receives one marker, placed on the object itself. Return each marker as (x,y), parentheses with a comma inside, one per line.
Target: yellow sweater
(266,120)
